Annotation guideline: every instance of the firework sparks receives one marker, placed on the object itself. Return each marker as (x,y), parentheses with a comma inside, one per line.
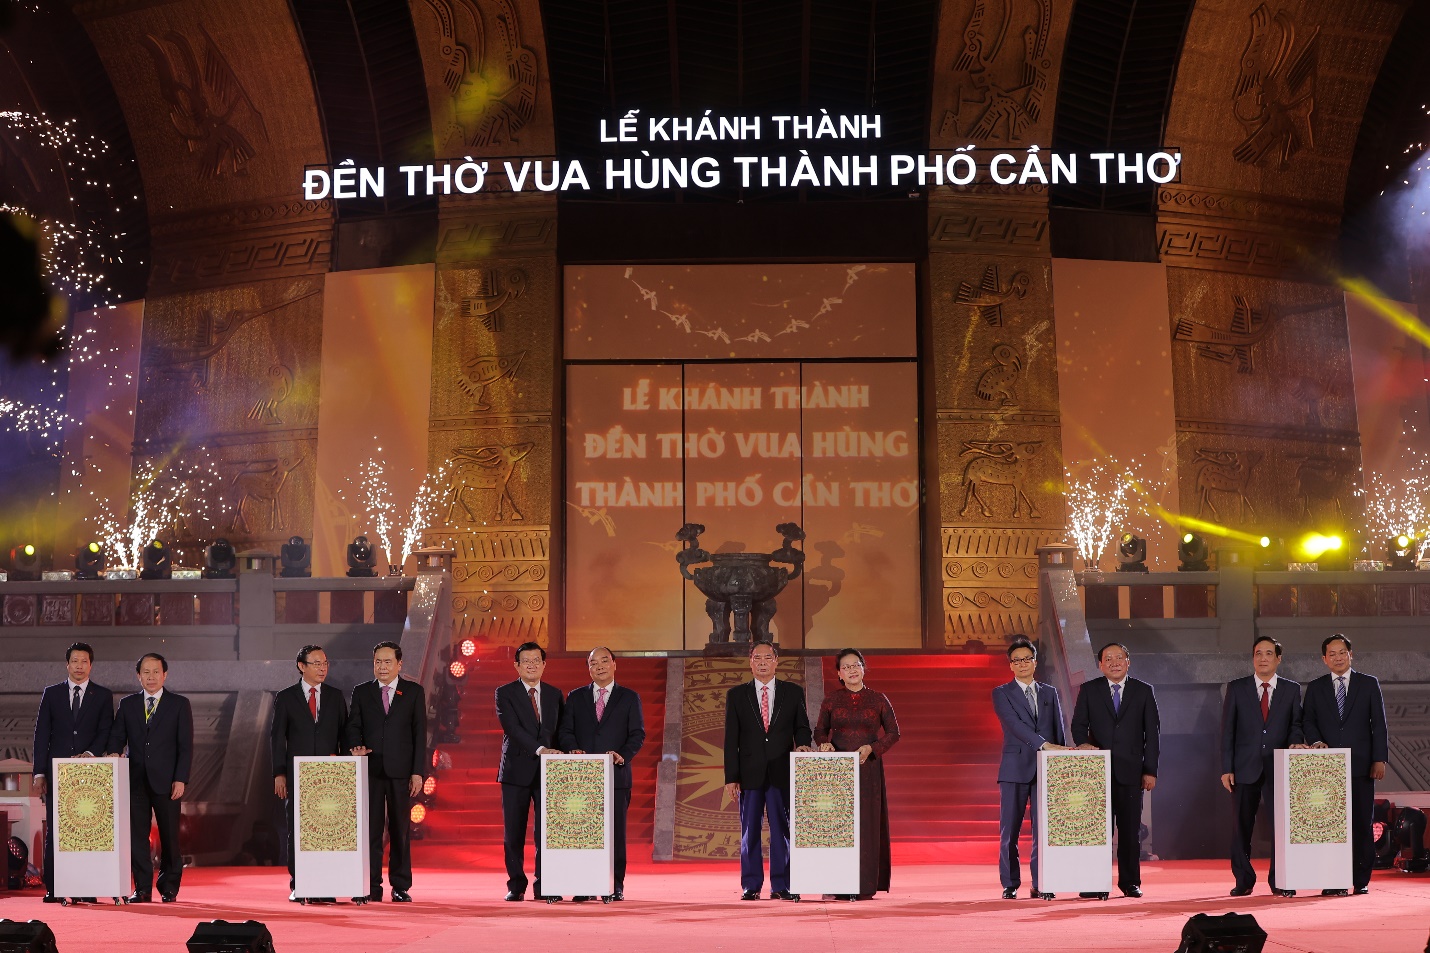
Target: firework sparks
(1394,506)
(426,506)
(1103,502)
(173,502)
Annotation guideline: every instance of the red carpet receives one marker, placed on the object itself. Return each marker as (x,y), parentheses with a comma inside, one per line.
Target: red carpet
(695,907)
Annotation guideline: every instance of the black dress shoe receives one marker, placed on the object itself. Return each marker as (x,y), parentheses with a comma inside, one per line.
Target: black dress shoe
(750,895)
(51,898)
(1278,892)
(1133,891)
(168,897)
(1335,893)
(375,895)
(1241,891)
(514,896)
(1042,896)
(552,899)
(400,896)
(784,895)
(1362,891)
(1010,893)
(620,894)
(581,899)
(137,897)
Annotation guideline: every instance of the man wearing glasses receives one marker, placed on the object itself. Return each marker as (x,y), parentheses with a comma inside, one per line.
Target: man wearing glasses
(308,721)
(1032,719)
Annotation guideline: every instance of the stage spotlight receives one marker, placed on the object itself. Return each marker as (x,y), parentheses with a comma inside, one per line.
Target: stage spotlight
(296,559)
(157,562)
(89,561)
(1273,555)
(1409,834)
(429,787)
(1131,553)
(1192,554)
(1402,553)
(221,936)
(1229,932)
(447,702)
(17,936)
(220,560)
(469,648)
(418,815)
(361,558)
(25,563)
(16,863)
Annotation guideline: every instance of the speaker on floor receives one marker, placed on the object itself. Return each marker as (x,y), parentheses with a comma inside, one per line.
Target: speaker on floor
(1228,933)
(221,936)
(26,937)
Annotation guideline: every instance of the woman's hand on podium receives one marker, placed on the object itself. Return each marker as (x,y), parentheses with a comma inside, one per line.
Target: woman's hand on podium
(280,787)
(864,752)
(1228,781)
(826,747)
(176,790)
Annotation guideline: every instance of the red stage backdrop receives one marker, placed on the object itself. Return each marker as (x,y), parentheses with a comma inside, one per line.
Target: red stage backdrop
(741,445)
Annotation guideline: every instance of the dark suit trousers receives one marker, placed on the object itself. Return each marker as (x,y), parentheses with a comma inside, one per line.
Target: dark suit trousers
(49,871)
(518,801)
(292,839)
(622,805)
(768,801)
(1250,798)
(144,801)
(390,807)
(1127,819)
(1362,830)
(1014,800)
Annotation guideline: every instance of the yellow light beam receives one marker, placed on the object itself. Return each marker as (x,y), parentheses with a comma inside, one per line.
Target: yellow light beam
(1386,308)
(1183,521)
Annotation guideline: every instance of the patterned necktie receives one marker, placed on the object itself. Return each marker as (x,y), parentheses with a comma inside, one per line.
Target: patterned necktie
(149,704)
(536,709)
(1265,700)
(765,706)
(313,701)
(386,699)
(1116,699)
(74,702)
(1341,696)
(600,704)
(1032,701)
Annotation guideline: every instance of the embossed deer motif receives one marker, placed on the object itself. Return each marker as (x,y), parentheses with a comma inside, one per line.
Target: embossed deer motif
(260,482)
(1225,471)
(1000,463)
(485,468)
(1320,482)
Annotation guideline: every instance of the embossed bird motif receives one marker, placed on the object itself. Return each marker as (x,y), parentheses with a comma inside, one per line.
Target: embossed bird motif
(207,103)
(479,374)
(280,386)
(988,298)
(1276,90)
(1231,346)
(492,103)
(1000,382)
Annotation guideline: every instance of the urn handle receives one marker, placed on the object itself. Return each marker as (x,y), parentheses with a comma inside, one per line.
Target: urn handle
(690,554)
(787,553)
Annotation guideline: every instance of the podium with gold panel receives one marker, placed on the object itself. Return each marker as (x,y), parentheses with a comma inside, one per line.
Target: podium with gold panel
(330,814)
(1313,819)
(1074,822)
(578,856)
(89,814)
(824,822)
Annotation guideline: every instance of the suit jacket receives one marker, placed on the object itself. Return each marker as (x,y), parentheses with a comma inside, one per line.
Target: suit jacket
(521,735)
(1246,740)
(1363,730)
(296,735)
(1023,735)
(1132,734)
(755,757)
(398,737)
(59,733)
(621,728)
(161,750)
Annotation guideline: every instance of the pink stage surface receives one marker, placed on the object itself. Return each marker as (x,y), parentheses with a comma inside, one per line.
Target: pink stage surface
(680,907)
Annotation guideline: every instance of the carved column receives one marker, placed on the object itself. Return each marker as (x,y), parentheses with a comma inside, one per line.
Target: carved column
(991,310)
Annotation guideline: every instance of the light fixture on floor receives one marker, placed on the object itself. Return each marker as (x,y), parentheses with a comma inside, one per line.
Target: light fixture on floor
(89,561)
(1131,553)
(1192,554)
(1402,553)
(361,558)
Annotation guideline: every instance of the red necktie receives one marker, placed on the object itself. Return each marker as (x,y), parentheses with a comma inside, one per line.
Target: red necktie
(313,703)
(531,693)
(765,706)
(1265,700)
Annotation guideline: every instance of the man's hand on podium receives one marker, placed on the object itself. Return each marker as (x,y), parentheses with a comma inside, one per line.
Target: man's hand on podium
(1228,781)
(176,791)
(414,785)
(804,748)
(1086,747)
(614,754)
(360,751)
(1294,747)
(826,747)
(280,786)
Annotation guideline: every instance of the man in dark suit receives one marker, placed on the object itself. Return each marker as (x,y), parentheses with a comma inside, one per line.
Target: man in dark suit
(387,722)
(1119,714)
(1344,709)
(157,726)
(1032,720)
(309,719)
(765,719)
(529,711)
(1261,712)
(74,720)
(606,717)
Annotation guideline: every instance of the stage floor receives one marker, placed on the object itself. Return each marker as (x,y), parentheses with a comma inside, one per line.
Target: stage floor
(935,906)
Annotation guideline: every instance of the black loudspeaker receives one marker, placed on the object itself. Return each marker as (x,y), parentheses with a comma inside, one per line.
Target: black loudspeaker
(1228,933)
(31,937)
(221,936)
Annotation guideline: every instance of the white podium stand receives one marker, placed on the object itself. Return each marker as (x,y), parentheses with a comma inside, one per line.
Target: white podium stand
(330,814)
(89,813)
(1074,822)
(1313,818)
(578,856)
(824,822)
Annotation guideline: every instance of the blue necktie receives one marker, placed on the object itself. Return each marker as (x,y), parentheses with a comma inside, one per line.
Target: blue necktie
(1341,695)
(1116,699)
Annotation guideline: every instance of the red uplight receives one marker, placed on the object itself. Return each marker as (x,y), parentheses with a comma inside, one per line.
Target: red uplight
(1377,831)
(429,787)
(419,813)
(469,648)
(436,756)
(457,670)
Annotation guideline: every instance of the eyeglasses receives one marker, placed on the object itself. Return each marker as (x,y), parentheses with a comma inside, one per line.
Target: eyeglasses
(322,664)
(1020,661)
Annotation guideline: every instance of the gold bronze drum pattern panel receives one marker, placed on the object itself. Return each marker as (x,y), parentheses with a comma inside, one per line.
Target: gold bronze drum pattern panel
(575,804)
(327,806)
(824,804)
(1077,802)
(1316,785)
(85,807)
